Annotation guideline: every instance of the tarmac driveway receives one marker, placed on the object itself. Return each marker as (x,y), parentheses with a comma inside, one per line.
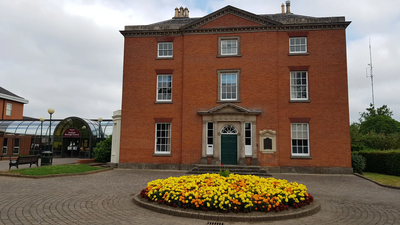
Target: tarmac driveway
(106,198)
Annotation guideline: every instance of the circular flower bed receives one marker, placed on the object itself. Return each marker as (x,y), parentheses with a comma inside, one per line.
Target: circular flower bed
(238,193)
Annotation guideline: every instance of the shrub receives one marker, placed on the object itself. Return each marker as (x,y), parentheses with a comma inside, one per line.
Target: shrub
(358,162)
(383,162)
(102,152)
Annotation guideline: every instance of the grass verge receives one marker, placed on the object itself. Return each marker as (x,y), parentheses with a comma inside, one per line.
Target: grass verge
(59,169)
(384,179)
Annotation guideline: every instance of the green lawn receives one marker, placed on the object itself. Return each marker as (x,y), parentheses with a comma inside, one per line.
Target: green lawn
(60,169)
(384,179)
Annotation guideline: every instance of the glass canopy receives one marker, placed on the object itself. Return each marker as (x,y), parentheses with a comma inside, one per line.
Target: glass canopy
(70,137)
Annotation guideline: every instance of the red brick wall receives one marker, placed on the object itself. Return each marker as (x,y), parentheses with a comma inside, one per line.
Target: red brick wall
(264,85)
(16,113)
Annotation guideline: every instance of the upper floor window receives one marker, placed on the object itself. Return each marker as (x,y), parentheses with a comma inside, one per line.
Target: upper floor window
(164,87)
(165,49)
(298,45)
(9,109)
(228,46)
(229,85)
(298,85)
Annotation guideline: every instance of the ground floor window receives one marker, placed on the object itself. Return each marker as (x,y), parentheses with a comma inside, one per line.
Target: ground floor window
(5,146)
(163,138)
(210,138)
(300,139)
(247,139)
(16,146)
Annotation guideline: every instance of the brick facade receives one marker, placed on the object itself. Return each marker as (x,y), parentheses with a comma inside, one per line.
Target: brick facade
(265,65)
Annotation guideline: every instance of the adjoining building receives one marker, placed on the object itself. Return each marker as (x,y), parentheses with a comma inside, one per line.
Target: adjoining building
(234,87)
(11,105)
(70,137)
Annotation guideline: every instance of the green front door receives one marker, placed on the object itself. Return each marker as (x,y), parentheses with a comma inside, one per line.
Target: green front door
(229,149)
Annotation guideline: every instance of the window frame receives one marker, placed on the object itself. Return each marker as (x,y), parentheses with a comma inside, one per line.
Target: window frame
(293,74)
(248,148)
(9,109)
(210,136)
(5,146)
(162,43)
(298,45)
(220,89)
(16,147)
(169,137)
(229,38)
(308,140)
(158,88)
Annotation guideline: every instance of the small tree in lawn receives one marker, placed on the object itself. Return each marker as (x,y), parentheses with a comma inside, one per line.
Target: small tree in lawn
(102,153)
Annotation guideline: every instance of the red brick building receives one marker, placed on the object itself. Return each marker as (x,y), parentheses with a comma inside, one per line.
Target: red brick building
(11,105)
(234,87)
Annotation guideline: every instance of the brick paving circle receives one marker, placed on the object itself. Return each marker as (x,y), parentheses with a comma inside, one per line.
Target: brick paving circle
(106,198)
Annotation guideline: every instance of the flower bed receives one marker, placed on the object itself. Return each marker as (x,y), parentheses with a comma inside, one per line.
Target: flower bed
(238,193)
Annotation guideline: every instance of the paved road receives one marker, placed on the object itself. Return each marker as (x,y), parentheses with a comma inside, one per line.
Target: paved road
(106,198)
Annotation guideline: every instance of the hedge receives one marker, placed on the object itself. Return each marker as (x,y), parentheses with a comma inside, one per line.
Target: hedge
(383,162)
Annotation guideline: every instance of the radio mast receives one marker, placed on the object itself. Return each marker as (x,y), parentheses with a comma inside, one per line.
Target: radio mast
(370,72)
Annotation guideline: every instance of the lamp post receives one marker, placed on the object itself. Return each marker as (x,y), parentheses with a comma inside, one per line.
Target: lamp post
(82,143)
(50,111)
(100,133)
(41,134)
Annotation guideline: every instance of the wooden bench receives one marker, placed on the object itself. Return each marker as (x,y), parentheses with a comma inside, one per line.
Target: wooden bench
(31,159)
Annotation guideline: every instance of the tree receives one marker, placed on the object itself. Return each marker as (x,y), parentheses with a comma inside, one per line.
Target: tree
(371,112)
(102,152)
(379,121)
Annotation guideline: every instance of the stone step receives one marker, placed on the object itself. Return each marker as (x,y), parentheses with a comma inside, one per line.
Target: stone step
(237,169)
(240,173)
(226,166)
(230,169)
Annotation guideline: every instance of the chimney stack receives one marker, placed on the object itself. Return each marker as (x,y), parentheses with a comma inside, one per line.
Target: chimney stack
(181,12)
(176,12)
(283,8)
(288,7)
(186,12)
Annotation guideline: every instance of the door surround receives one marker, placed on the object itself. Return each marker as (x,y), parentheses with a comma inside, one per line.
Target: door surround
(221,116)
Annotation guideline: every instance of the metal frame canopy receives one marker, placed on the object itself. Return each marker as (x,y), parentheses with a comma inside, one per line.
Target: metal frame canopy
(92,129)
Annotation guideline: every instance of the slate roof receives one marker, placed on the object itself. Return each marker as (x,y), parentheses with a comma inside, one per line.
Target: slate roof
(278,19)
(6,94)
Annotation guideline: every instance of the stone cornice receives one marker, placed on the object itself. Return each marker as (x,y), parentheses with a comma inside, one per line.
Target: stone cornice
(286,27)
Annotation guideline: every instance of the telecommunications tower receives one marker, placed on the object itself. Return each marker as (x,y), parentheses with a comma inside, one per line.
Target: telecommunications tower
(371,75)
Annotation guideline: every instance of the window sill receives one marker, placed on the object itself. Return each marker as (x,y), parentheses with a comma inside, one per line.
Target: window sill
(224,56)
(165,58)
(301,157)
(300,53)
(268,151)
(162,102)
(162,155)
(299,101)
(227,101)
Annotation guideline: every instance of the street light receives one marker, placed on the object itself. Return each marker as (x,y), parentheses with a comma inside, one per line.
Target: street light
(41,133)
(82,142)
(100,120)
(50,111)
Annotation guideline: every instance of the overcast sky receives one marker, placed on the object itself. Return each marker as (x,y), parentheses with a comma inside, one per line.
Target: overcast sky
(68,54)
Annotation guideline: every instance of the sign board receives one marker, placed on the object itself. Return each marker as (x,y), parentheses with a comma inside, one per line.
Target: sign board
(72,132)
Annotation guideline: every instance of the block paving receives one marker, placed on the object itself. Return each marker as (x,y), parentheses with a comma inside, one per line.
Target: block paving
(106,198)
